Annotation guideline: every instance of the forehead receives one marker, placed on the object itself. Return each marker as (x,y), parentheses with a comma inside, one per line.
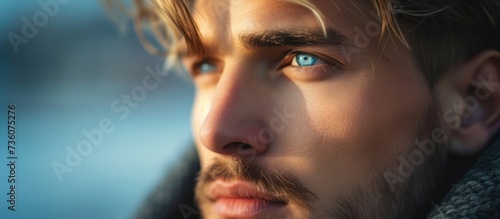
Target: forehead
(225,20)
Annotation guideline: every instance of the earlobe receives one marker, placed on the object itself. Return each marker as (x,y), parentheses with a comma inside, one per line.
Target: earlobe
(471,94)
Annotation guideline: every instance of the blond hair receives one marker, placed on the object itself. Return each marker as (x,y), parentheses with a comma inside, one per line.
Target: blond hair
(439,32)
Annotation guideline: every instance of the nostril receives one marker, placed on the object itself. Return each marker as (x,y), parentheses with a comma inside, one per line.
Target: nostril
(237,146)
(244,146)
(242,150)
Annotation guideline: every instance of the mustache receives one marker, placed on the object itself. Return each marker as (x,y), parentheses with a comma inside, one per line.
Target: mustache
(283,187)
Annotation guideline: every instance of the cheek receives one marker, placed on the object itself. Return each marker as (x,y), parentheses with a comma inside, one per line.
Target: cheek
(198,113)
(369,120)
(201,106)
(354,130)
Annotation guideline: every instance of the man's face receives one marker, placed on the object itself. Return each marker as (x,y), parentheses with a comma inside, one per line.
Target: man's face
(289,124)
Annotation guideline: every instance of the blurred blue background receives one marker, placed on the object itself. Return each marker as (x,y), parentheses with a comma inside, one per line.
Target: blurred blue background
(63,81)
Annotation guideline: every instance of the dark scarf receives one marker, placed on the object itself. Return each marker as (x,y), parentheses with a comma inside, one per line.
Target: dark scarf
(477,193)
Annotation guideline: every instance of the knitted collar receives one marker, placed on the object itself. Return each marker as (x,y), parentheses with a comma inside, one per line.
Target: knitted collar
(477,194)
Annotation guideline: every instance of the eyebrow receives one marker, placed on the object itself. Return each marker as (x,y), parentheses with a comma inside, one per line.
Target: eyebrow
(294,38)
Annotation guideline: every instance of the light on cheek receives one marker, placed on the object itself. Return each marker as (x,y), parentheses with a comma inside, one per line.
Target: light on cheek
(198,114)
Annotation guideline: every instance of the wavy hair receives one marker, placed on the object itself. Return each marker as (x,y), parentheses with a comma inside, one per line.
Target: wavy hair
(439,32)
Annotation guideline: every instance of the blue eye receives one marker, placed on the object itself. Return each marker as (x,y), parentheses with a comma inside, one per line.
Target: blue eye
(305,59)
(207,67)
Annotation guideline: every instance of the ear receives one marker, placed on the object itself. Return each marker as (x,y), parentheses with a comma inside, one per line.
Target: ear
(470,101)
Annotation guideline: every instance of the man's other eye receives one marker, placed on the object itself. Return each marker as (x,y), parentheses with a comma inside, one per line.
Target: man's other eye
(205,71)
(205,67)
(305,59)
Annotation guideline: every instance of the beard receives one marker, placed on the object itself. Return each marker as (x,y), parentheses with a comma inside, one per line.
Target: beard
(408,196)
(393,194)
(282,187)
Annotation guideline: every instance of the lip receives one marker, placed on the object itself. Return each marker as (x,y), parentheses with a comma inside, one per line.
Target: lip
(240,199)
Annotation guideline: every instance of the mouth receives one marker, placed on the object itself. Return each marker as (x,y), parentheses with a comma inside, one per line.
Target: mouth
(240,199)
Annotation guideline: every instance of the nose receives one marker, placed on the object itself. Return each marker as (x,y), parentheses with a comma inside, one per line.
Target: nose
(236,116)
